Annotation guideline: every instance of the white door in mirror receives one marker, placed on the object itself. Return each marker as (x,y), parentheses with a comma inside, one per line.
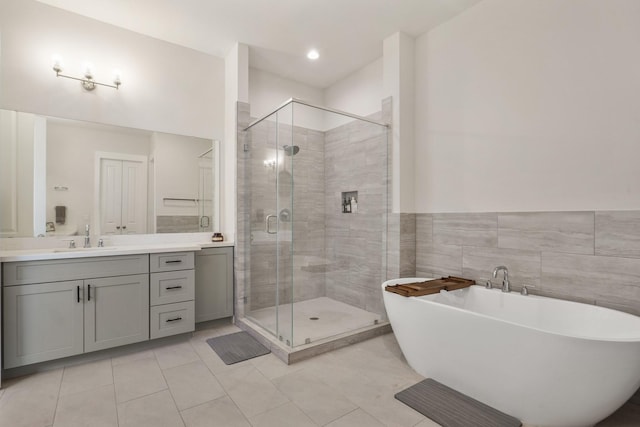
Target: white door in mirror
(123,196)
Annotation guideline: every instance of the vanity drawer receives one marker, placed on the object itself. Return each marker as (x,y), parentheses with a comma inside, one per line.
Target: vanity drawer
(171,261)
(172,286)
(172,319)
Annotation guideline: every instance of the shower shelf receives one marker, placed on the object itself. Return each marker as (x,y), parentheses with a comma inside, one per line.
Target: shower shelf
(346,197)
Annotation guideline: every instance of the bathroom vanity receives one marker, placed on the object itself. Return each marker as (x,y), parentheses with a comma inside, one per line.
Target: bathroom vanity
(59,303)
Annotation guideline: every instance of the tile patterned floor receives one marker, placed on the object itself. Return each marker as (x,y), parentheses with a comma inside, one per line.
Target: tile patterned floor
(185,384)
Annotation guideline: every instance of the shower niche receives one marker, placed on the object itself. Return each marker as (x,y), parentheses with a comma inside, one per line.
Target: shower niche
(311,276)
(349,202)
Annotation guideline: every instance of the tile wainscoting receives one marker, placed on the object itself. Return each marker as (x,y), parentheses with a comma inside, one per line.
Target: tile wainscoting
(591,257)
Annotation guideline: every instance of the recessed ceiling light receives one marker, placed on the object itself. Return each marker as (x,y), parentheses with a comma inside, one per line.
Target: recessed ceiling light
(313,54)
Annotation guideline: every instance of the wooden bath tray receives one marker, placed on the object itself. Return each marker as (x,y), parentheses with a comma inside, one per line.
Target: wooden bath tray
(416,289)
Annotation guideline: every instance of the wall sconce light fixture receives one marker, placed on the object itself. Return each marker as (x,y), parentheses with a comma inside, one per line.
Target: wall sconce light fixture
(270,164)
(88,83)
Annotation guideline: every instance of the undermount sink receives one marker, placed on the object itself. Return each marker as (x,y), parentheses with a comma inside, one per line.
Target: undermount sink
(94,249)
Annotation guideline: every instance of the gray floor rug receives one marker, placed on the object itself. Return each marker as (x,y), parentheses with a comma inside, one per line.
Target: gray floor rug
(237,347)
(450,408)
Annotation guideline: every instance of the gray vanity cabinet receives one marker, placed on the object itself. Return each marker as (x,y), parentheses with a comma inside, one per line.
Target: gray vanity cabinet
(172,294)
(42,322)
(93,304)
(214,283)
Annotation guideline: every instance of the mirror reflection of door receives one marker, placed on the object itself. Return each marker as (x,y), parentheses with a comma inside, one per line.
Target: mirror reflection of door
(123,194)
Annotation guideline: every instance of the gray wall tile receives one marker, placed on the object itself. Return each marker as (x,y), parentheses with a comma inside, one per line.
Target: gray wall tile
(524,266)
(571,232)
(618,233)
(524,238)
(598,278)
(178,224)
(472,229)
(439,260)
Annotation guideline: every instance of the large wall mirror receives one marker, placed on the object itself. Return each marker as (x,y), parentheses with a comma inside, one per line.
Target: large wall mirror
(58,175)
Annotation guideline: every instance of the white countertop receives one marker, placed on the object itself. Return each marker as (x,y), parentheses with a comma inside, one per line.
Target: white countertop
(66,253)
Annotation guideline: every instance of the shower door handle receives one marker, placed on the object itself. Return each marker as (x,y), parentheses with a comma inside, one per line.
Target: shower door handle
(267,223)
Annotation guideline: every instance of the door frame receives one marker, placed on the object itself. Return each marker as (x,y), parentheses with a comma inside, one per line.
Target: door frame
(105,155)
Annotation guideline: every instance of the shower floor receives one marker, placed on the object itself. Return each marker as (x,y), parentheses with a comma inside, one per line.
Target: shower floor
(314,319)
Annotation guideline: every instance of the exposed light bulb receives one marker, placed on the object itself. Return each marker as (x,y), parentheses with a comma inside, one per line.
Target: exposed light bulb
(56,63)
(313,54)
(117,77)
(88,70)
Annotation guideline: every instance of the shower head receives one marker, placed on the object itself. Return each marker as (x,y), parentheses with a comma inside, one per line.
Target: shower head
(290,150)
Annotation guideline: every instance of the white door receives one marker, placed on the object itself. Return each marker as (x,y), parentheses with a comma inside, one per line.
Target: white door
(134,198)
(110,196)
(123,197)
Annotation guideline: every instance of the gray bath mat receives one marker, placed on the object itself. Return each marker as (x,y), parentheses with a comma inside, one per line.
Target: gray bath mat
(450,408)
(237,347)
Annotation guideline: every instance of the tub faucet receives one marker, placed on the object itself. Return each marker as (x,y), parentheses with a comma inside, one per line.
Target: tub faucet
(87,239)
(506,287)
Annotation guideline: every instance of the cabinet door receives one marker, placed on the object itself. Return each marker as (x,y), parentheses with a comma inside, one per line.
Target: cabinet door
(116,311)
(42,322)
(214,283)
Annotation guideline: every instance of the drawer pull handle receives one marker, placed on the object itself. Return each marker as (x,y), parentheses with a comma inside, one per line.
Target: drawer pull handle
(175,319)
(78,293)
(173,261)
(174,287)
(89,292)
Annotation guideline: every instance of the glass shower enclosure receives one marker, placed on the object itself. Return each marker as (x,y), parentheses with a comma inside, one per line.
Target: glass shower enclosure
(316,199)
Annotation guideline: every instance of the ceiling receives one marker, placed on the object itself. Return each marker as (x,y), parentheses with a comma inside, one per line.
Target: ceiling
(347,33)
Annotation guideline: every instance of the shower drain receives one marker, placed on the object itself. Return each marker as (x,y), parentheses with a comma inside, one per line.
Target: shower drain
(314,318)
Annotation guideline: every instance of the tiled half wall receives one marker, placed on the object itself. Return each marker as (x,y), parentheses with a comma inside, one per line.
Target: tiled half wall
(591,257)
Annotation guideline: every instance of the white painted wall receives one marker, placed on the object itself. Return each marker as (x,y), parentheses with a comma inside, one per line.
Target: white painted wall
(530,106)
(236,90)
(399,69)
(268,91)
(359,93)
(165,87)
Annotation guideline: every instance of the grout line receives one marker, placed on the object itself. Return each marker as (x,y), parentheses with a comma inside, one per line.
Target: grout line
(115,399)
(55,411)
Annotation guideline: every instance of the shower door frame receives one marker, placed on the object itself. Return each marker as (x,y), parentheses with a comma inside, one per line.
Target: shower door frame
(278,280)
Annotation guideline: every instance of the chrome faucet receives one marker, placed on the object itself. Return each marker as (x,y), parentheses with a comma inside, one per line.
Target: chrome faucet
(506,287)
(87,239)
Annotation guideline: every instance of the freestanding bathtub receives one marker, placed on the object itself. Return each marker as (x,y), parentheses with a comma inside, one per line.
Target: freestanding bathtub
(545,361)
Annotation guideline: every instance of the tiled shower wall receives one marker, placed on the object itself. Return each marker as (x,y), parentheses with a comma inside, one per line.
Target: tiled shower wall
(178,224)
(591,257)
(300,191)
(356,160)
